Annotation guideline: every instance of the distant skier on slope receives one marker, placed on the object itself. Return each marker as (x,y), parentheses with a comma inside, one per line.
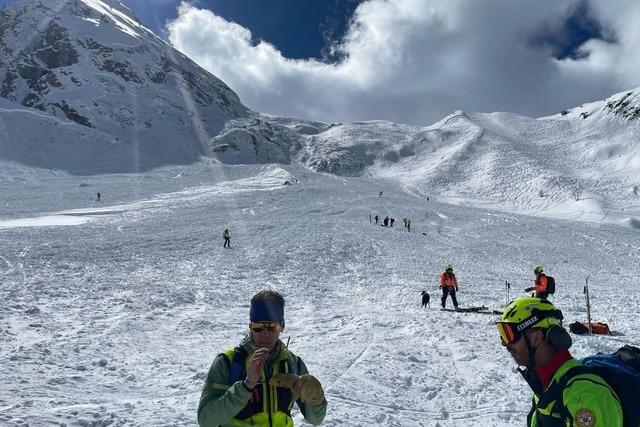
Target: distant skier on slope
(376,218)
(385,222)
(227,238)
(449,286)
(98,197)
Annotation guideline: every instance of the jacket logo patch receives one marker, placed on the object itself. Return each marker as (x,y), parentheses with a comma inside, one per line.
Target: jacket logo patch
(585,418)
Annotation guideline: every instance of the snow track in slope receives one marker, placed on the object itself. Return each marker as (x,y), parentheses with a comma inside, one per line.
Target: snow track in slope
(117,320)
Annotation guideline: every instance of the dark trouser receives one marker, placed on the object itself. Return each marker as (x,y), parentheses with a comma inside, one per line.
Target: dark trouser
(542,295)
(447,290)
(227,242)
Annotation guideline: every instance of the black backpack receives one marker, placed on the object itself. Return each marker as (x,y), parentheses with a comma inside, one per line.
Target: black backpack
(551,285)
(621,370)
(578,328)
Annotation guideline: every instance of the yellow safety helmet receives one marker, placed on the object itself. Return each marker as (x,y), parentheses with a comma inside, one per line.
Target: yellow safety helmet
(529,312)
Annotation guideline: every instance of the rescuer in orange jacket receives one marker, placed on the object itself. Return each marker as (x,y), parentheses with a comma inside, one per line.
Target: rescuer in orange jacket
(540,284)
(449,286)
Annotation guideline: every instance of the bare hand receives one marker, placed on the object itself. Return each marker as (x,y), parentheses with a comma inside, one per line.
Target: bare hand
(256,364)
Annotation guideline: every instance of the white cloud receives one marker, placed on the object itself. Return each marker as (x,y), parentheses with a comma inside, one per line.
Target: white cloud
(415,61)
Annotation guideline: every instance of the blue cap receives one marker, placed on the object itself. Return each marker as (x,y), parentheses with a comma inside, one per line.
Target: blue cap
(267,311)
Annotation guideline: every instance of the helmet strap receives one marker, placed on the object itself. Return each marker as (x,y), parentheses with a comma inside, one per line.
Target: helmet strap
(531,352)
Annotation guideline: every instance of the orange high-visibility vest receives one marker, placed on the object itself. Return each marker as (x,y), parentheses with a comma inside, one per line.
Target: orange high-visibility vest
(540,284)
(448,280)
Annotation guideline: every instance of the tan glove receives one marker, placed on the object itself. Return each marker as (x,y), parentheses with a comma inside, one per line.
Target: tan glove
(305,387)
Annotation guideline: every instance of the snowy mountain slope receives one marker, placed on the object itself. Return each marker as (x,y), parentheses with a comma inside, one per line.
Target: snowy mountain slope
(115,320)
(573,165)
(119,89)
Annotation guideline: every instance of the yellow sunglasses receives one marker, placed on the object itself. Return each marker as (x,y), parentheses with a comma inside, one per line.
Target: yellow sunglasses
(270,327)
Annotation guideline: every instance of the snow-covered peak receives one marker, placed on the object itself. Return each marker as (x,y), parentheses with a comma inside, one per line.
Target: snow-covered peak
(124,18)
(581,165)
(623,105)
(125,99)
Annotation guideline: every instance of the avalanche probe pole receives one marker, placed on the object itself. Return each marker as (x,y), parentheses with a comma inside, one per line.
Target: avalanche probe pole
(586,292)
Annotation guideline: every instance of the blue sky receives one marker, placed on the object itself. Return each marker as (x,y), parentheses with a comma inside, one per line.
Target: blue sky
(300,29)
(410,61)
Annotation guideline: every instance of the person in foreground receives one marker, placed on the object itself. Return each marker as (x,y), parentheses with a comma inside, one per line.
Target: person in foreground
(531,330)
(258,382)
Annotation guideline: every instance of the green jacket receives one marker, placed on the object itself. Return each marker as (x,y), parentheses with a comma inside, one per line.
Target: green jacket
(586,401)
(225,404)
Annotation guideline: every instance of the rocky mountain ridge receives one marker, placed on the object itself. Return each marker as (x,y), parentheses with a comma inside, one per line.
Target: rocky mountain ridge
(92,63)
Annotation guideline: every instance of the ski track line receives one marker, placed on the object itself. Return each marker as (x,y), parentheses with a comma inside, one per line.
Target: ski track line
(353,363)
(447,339)
(10,266)
(435,416)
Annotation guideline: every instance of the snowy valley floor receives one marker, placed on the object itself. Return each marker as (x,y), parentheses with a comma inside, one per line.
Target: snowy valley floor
(112,313)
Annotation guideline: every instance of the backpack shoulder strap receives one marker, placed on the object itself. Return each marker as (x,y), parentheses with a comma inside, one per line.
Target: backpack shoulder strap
(235,358)
(570,376)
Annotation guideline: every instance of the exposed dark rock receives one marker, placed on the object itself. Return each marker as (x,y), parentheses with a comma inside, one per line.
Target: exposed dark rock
(121,69)
(32,100)
(55,48)
(5,22)
(623,107)
(72,114)
(8,85)
(52,80)
(34,74)
(138,50)
(93,45)
(156,76)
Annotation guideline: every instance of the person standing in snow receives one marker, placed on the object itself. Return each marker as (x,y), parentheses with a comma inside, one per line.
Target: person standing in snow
(392,220)
(531,331)
(540,285)
(98,197)
(376,218)
(385,222)
(227,238)
(408,224)
(257,382)
(449,286)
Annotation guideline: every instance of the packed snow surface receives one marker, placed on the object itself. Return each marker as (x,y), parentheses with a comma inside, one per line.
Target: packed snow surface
(112,311)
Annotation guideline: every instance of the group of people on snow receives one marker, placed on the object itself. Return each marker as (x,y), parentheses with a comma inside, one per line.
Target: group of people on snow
(389,221)
(449,285)
(531,330)
(258,382)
